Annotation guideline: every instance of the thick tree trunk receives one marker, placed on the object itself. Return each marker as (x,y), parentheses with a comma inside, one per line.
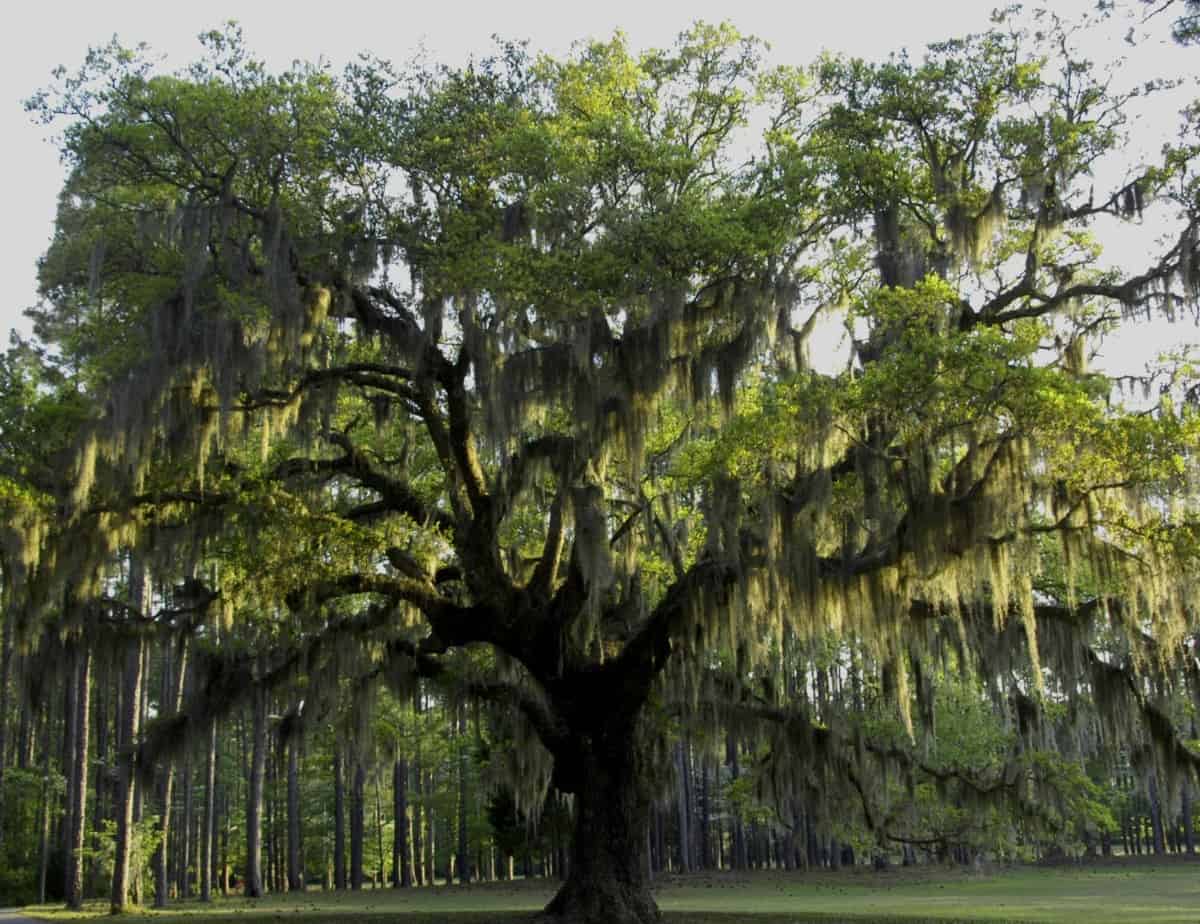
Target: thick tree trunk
(254,798)
(401,848)
(607,880)
(74,870)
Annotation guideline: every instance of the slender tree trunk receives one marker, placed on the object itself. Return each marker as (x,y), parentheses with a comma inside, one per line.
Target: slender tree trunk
(432,834)
(254,798)
(271,878)
(684,815)
(225,826)
(131,698)
(44,833)
(738,859)
(176,674)
(1156,820)
(417,822)
(69,753)
(1185,806)
(104,785)
(74,869)
(6,651)
(339,819)
(402,874)
(183,874)
(25,735)
(464,805)
(380,875)
(356,824)
(294,871)
(208,844)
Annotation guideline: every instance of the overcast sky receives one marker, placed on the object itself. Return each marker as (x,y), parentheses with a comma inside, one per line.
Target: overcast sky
(52,33)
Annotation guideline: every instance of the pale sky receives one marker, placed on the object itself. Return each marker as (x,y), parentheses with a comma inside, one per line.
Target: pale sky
(44,35)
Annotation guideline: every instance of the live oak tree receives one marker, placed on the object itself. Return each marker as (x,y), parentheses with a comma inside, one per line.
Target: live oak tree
(497,376)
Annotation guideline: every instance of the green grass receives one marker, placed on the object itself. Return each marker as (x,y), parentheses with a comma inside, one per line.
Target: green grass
(1146,893)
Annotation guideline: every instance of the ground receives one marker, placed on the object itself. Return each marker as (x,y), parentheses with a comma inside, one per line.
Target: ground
(1166,892)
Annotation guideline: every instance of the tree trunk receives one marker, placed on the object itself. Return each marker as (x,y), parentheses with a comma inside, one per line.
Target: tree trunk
(68,756)
(131,700)
(401,849)
(183,878)
(339,819)
(44,833)
(295,874)
(74,870)
(1156,821)
(254,798)
(464,850)
(1185,806)
(738,858)
(25,734)
(418,852)
(380,875)
(271,870)
(174,696)
(356,824)
(6,650)
(209,822)
(684,812)
(607,878)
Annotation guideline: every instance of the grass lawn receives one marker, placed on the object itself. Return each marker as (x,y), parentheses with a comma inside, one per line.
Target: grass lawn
(1166,892)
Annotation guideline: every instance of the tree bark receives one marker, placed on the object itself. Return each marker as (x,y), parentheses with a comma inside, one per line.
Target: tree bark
(174,690)
(254,798)
(380,875)
(356,824)
(607,879)
(44,833)
(738,858)
(463,856)
(339,819)
(131,713)
(402,876)
(183,877)
(1185,806)
(68,755)
(295,874)
(209,821)
(418,852)
(6,650)
(74,869)
(1156,820)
